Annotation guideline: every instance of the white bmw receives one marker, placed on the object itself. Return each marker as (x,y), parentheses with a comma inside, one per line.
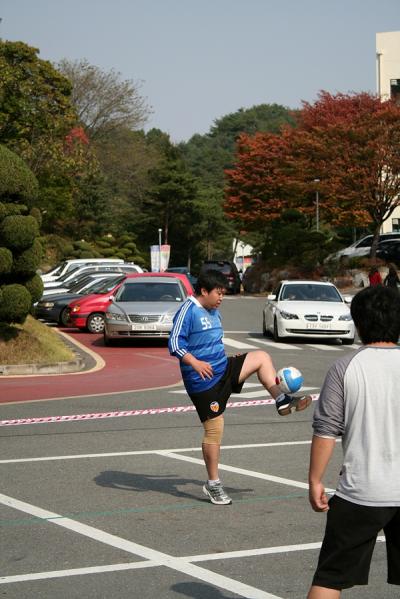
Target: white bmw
(308,309)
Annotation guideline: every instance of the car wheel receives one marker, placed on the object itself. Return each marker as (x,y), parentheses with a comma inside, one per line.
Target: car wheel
(95,323)
(276,334)
(348,341)
(63,319)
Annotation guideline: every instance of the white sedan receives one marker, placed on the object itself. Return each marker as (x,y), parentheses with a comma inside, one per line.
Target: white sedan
(308,309)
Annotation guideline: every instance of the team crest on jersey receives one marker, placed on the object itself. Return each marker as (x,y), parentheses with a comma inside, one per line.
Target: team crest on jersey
(214,406)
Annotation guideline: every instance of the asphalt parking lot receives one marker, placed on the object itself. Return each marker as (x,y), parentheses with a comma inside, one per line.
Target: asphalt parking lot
(111,506)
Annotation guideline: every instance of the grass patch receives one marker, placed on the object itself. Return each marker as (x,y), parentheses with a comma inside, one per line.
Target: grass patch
(32,343)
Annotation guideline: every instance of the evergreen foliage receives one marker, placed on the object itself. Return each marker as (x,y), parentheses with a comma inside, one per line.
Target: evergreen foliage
(20,251)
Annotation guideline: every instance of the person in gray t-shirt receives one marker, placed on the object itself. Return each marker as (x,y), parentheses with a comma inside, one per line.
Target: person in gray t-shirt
(360,402)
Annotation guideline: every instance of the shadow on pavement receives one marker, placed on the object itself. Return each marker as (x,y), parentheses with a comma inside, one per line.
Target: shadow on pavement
(199,590)
(164,483)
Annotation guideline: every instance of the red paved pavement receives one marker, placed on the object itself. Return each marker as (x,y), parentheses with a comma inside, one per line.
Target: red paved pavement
(127,368)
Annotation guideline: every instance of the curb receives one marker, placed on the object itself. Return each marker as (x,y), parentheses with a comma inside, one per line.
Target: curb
(83,362)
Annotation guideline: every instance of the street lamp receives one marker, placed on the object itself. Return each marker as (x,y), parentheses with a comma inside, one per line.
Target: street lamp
(159,249)
(316,204)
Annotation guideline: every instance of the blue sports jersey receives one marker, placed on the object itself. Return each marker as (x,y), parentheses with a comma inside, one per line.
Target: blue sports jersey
(199,332)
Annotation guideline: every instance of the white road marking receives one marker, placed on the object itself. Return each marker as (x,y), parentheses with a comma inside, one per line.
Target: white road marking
(118,454)
(149,564)
(251,473)
(277,345)
(237,344)
(177,564)
(77,572)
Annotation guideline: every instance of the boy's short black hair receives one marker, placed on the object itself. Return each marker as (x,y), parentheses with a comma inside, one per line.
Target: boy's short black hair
(376,314)
(209,280)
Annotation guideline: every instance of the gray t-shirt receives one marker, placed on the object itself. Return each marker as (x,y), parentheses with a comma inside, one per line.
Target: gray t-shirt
(360,401)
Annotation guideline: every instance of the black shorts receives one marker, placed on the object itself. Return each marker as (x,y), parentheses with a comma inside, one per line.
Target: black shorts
(212,403)
(349,541)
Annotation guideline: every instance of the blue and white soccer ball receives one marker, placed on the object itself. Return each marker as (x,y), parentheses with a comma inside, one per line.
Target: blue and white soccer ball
(289,379)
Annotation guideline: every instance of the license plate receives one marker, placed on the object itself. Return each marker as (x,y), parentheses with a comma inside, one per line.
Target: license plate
(144,327)
(318,325)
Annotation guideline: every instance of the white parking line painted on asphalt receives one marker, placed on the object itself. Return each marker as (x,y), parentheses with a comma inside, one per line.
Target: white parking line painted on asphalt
(276,345)
(177,564)
(118,454)
(149,564)
(237,344)
(251,473)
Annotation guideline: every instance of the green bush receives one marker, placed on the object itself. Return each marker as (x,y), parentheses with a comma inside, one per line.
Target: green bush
(11,209)
(16,303)
(17,182)
(6,260)
(18,232)
(35,287)
(28,261)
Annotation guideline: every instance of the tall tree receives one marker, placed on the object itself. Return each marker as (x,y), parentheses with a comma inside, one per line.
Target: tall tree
(349,143)
(103,101)
(35,104)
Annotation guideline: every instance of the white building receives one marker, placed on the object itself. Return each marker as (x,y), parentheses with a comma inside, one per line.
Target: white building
(388,86)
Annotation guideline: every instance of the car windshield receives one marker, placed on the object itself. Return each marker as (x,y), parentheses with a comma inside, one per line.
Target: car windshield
(84,282)
(150,292)
(105,286)
(309,292)
(68,274)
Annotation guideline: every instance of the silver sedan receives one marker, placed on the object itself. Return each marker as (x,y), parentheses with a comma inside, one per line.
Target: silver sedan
(143,307)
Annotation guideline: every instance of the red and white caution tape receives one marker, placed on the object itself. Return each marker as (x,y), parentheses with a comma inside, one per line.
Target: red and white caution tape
(123,413)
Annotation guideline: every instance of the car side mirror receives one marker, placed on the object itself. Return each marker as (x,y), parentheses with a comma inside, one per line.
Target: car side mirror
(348,299)
(271,297)
(111,298)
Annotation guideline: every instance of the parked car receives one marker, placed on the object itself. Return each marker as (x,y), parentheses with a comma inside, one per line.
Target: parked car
(87,313)
(183,270)
(308,309)
(70,278)
(54,308)
(361,247)
(389,251)
(68,265)
(227,268)
(144,307)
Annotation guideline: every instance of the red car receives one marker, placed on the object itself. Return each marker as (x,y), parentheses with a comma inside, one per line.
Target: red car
(87,313)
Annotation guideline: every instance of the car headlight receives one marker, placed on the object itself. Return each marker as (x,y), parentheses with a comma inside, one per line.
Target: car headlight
(288,315)
(167,318)
(76,308)
(45,304)
(345,317)
(116,316)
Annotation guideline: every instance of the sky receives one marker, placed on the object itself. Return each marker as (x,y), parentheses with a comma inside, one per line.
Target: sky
(199,60)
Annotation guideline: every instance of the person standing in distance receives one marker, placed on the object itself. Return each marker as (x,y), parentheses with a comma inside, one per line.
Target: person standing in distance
(359,402)
(210,376)
(392,278)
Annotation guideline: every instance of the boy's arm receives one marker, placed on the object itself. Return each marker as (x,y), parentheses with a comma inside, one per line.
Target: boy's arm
(204,369)
(321,453)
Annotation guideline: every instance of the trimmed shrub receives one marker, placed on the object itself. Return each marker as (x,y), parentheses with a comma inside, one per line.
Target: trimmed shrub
(16,303)
(11,209)
(35,287)
(28,261)
(19,232)
(6,260)
(16,180)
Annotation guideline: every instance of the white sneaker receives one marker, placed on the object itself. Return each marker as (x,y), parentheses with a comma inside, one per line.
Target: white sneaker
(216,494)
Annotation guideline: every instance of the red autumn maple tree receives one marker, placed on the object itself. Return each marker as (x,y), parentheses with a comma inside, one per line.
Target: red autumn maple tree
(350,142)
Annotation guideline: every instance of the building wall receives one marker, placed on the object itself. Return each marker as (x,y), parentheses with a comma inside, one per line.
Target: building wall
(388,86)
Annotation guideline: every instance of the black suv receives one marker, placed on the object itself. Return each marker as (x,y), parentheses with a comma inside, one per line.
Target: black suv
(228,269)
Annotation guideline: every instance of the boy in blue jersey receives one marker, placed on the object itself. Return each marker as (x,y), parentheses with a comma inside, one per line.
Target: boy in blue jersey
(210,376)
